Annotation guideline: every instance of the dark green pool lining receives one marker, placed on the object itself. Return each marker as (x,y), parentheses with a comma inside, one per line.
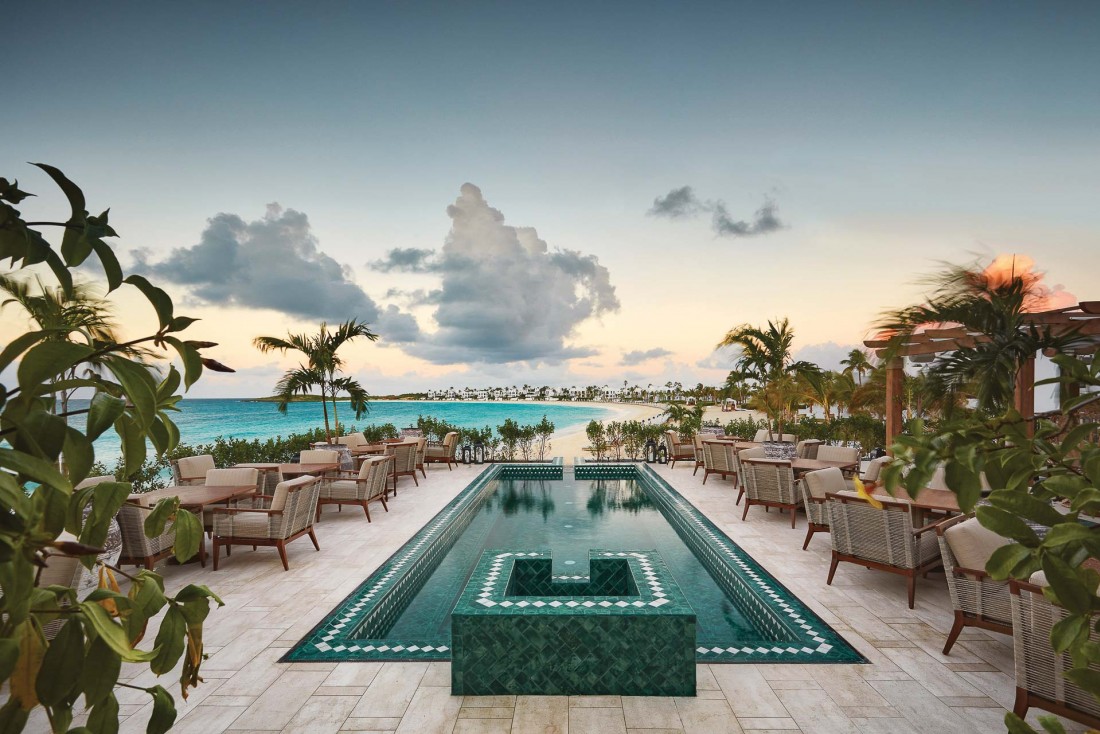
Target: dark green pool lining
(796,634)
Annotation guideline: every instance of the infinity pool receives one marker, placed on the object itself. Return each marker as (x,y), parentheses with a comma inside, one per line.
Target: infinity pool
(403,611)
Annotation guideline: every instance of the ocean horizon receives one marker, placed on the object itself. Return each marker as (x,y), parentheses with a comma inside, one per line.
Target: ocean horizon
(202,420)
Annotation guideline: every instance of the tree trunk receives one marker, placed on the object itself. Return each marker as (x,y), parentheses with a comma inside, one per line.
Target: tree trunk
(324,409)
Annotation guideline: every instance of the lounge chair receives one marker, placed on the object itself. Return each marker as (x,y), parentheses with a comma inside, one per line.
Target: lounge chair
(814,487)
(770,483)
(404,461)
(443,454)
(362,488)
(978,600)
(289,514)
(191,469)
(678,450)
(1040,679)
(880,539)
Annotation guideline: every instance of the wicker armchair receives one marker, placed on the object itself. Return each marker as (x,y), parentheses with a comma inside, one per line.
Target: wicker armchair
(191,469)
(228,478)
(718,458)
(807,448)
(871,477)
(362,488)
(421,450)
(739,466)
(697,445)
(880,539)
(444,454)
(769,482)
(979,601)
(840,453)
(404,461)
(289,515)
(137,547)
(318,456)
(1039,670)
(678,450)
(815,486)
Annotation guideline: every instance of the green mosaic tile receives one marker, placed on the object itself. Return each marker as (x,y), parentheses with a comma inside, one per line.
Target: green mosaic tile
(627,630)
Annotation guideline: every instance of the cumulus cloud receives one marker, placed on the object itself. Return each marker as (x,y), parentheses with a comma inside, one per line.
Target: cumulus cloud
(826,355)
(638,356)
(682,203)
(504,296)
(722,358)
(273,262)
(405,260)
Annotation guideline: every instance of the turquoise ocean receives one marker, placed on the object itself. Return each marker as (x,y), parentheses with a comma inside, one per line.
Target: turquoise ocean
(201,421)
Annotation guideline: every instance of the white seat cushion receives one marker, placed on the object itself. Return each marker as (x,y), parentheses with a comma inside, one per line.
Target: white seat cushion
(251,525)
(973,544)
(824,481)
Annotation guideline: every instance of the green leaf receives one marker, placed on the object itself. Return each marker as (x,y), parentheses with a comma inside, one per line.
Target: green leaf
(188,535)
(71,190)
(160,300)
(180,323)
(107,498)
(79,455)
(103,718)
(103,410)
(170,641)
(159,436)
(964,482)
(9,654)
(109,261)
(192,360)
(12,717)
(138,384)
(1007,525)
(31,649)
(162,512)
(13,498)
(168,386)
(164,711)
(1006,558)
(48,360)
(42,434)
(101,669)
(1068,532)
(1067,632)
(1016,725)
(40,471)
(20,344)
(1069,590)
(61,665)
(1085,678)
(1027,506)
(113,634)
(133,444)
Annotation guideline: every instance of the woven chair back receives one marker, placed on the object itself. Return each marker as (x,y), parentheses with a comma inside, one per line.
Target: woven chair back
(883,536)
(769,480)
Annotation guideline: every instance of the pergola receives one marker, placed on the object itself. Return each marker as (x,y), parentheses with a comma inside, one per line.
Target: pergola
(1082,319)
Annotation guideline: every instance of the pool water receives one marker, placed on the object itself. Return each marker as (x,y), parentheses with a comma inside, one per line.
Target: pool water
(402,611)
(569,517)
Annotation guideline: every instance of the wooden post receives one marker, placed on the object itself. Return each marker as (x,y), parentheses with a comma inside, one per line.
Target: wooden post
(1025,394)
(894,397)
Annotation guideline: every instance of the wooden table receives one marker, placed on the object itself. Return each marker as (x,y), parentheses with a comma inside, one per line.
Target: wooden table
(300,470)
(801,466)
(373,449)
(196,498)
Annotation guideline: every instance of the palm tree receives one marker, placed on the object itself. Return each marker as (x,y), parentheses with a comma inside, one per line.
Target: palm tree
(991,306)
(323,365)
(857,362)
(79,316)
(766,358)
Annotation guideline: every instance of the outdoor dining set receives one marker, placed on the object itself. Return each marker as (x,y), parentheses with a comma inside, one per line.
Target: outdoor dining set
(274,503)
(901,535)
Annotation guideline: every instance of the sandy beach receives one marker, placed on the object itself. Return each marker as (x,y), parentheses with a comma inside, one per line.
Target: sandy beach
(570,444)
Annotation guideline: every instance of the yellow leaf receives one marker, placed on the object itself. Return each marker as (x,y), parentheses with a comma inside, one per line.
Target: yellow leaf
(862,492)
(107,581)
(32,648)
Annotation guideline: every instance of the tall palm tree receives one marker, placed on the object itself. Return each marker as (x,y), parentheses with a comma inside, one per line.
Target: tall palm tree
(858,363)
(766,358)
(80,316)
(323,364)
(992,306)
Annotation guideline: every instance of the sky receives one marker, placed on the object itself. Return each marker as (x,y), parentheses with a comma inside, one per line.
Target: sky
(556,193)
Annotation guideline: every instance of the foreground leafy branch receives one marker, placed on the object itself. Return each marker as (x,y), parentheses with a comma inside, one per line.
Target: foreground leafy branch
(55,647)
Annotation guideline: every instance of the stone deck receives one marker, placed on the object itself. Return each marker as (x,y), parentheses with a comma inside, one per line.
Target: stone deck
(909,687)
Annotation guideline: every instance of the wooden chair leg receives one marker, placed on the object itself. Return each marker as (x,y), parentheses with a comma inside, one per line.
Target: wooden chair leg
(832,569)
(956,628)
(216,546)
(366,510)
(794,516)
(740,494)
(748,504)
(314,539)
(228,551)
(1021,705)
(415,480)
(809,534)
(912,579)
(281,545)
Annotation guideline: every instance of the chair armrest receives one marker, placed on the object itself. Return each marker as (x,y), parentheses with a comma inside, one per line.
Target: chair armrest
(236,510)
(929,527)
(972,572)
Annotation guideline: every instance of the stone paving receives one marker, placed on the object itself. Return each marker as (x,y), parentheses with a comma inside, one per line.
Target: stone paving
(908,687)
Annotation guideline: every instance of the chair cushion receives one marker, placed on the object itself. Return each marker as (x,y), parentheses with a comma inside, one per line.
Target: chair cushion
(195,467)
(823,481)
(92,481)
(318,456)
(282,489)
(232,477)
(878,495)
(251,525)
(342,489)
(973,544)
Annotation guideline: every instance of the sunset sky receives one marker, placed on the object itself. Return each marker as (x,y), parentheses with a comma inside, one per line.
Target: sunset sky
(556,193)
